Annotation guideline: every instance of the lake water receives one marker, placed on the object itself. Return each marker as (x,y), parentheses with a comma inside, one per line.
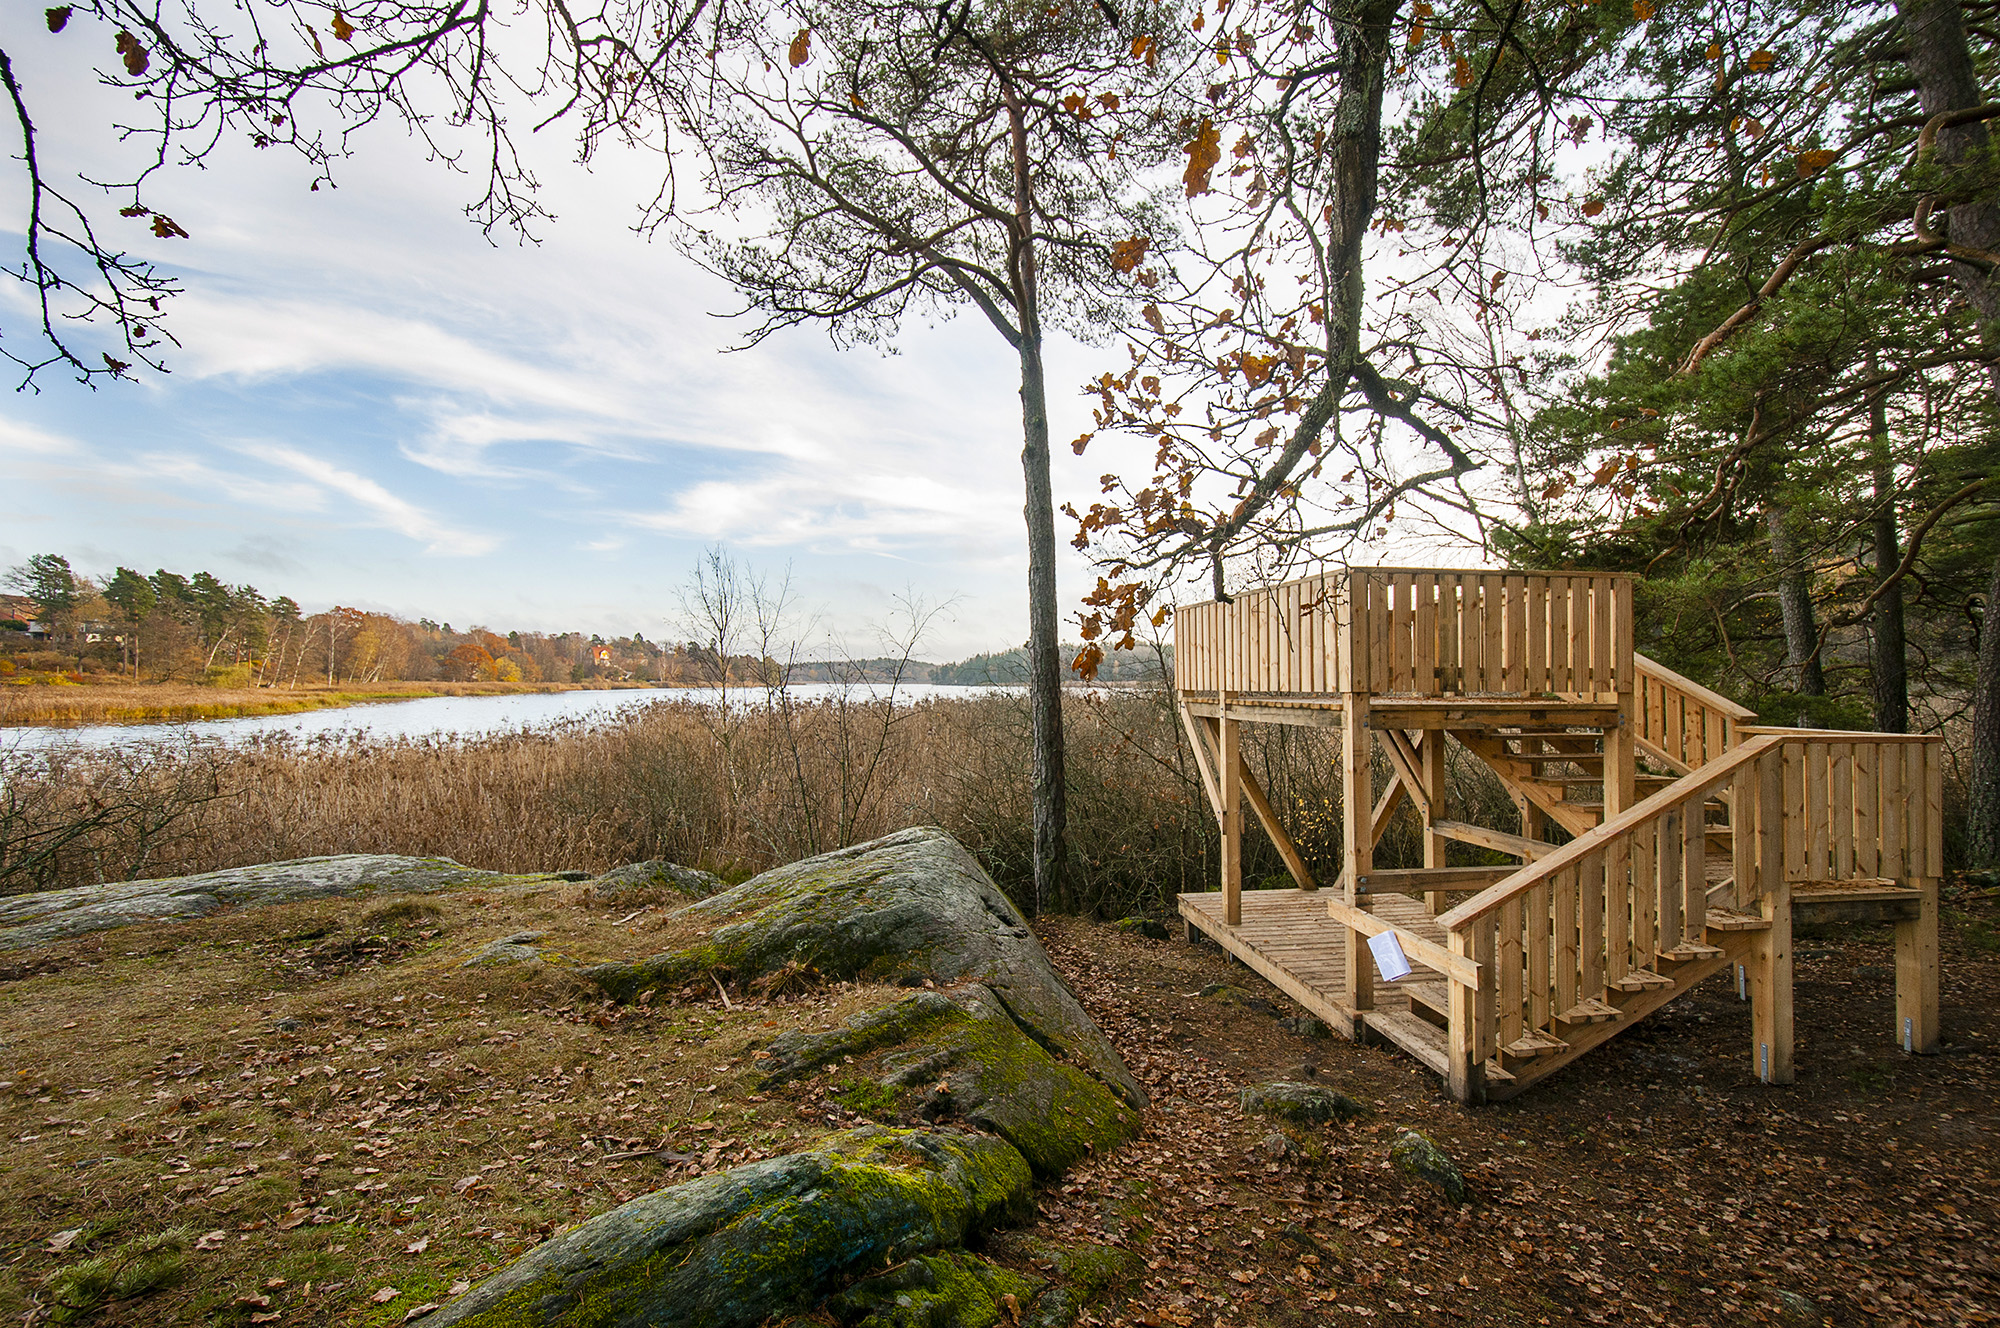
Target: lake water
(449,716)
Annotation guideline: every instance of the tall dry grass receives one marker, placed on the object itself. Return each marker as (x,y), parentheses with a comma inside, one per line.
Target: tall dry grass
(736,793)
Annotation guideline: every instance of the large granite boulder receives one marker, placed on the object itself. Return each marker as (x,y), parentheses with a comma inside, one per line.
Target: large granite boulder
(53,915)
(905,907)
(733,1249)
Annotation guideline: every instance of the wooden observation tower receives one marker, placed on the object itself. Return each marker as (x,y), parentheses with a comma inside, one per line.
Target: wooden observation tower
(1694,840)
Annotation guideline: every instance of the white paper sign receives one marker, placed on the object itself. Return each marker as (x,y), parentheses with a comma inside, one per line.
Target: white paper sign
(1390,961)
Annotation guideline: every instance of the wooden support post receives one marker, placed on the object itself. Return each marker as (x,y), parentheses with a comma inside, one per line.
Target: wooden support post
(1770,963)
(1431,757)
(1357,789)
(1917,975)
(1771,989)
(1267,816)
(1231,763)
(1621,759)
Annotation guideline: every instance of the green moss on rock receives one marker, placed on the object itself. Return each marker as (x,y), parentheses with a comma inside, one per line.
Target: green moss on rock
(948,1290)
(909,905)
(1302,1104)
(1416,1155)
(732,1249)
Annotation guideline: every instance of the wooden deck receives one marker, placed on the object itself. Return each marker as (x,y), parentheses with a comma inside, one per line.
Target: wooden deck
(1288,939)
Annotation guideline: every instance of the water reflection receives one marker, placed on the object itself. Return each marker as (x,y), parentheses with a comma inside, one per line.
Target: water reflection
(455,716)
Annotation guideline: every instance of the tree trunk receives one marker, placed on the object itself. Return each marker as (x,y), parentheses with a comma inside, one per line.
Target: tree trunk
(1890,677)
(1940,61)
(1044,657)
(1795,607)
(1982,821)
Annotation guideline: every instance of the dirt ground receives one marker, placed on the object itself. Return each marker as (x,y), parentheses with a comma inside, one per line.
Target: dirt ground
(315,1114)
(1654,1182)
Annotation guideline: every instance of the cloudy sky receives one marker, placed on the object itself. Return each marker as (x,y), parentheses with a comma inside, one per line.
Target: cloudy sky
(375,406)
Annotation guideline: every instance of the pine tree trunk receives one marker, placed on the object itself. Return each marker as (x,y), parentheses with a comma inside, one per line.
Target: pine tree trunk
(1940,61)
(1982,821)
(1890,677)
(1044,659)
(1795,607)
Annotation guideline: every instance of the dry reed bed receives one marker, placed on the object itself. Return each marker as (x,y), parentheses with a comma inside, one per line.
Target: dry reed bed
(66,703)
(680,780)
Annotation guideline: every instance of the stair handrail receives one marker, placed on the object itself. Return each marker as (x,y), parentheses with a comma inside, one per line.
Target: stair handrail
(1694,787)
(1647,665)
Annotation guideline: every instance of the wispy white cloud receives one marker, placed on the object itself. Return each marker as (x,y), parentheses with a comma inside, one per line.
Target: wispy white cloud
(26,438)
(391,511)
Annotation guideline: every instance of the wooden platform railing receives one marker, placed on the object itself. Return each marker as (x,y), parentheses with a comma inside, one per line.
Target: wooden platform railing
(1417,632)
(1681,723)
(1609,913)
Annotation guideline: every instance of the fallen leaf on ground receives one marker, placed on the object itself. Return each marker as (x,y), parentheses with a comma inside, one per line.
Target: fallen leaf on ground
(212,1241)
(62,1240)
(418,1246)
(385,1295)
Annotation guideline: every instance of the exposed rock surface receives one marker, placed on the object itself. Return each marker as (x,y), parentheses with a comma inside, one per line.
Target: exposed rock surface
(1416,1155)
(962,1057)
(732,1249)
(639,882)
(907,906)
(1303,1104)
(1003,1048)
(53,915)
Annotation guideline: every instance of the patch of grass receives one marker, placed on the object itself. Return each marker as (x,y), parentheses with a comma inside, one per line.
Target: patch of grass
(408,1123)
(77,1291)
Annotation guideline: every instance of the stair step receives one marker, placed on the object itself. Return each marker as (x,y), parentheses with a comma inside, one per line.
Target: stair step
(1728,919)
(1496,1073)
(1589,1010)
(1688,952)
(1641,979)
(1533,1044)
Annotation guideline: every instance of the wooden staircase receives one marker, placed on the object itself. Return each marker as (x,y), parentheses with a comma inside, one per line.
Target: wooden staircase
(1689,837)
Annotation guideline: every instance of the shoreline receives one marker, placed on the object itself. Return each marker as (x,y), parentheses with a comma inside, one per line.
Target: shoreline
(84,705)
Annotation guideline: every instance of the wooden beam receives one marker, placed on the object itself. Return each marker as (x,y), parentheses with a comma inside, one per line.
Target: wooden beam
(1268,818)
(1770,969)
(1432,759)
(1465,1072)
(1385,807)
(1403,759)
(1358,848)
(1404,880)
(1199,738)
(1428,953)
(1230,763)
(1498,840)
(1917,975)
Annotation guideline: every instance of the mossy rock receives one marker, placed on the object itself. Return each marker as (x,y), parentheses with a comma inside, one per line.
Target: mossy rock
(1302,1104)
(647,882)
(1083,1275)
(770,1238)
(964,1057)
(907,906)
(1150,928)
(53,915)
(1416,1155)
(1234,995)
(949,1290)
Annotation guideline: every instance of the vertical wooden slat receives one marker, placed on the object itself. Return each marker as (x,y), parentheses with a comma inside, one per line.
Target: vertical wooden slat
(1867,855)
(1600,635)
(1559,635)
(1694,874)
(1536,608)
(1617,908)
(1889,822)
(1507,957)
(1447,635)
(1465,1073)
(1579,633)
(1795,821)
(1403,629)
(1493,604)
(1743,839)
(1934,807)
(1357,792)
(1645,893)
(1671,846)
(1840,808)
(1423,644)
(1818,816)
(1564,887)
(1516,592)
(1916,841)
(1538,969)
(1590,924)
(1622,641)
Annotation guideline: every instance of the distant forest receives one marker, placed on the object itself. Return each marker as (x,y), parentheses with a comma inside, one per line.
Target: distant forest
(173,628)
